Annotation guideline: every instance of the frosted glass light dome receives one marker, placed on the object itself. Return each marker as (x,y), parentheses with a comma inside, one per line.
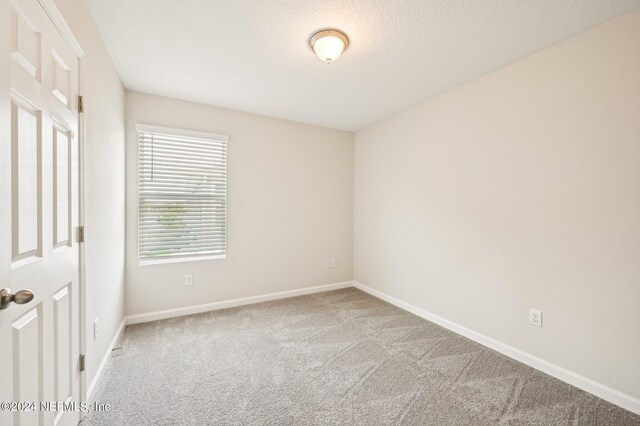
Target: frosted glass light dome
(329,44)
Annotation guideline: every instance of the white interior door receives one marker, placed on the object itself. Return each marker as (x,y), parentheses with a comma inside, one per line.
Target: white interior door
(39,340)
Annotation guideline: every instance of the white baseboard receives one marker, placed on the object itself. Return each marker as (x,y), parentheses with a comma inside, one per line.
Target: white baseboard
(196,309)
(621,399)
(105,360)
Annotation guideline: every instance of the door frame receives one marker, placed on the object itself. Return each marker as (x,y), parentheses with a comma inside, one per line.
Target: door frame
(63,28)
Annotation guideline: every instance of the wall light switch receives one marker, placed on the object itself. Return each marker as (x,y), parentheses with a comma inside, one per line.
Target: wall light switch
(333,263)
(95,329)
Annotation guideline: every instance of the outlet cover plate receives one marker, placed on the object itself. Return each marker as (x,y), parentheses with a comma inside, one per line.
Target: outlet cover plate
(535,317)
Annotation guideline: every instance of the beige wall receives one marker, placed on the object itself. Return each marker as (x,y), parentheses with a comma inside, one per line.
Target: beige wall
(105,190)
(289,208)
(520,189)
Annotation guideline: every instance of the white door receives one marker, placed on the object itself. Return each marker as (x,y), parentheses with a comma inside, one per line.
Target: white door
(39,214)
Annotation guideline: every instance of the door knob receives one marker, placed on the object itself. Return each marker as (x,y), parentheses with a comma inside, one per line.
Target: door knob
(20,297)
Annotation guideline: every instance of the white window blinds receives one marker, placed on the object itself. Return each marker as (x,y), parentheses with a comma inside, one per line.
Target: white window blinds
(182,194)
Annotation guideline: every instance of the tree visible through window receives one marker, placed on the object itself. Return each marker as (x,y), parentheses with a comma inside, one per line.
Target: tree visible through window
(182,194)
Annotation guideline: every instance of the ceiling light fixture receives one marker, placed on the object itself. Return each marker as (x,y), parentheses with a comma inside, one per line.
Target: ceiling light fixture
(329,44)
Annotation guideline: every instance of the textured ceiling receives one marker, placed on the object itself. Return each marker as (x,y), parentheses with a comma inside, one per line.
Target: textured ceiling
(252,55)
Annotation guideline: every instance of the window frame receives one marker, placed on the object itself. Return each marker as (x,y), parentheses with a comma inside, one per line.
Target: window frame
(139,127)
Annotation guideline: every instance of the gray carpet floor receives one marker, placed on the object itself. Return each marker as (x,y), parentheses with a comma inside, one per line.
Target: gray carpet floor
(340,357)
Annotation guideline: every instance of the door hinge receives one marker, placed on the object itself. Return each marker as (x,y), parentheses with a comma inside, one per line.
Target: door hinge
(81,234)
(82,362)
(80,104)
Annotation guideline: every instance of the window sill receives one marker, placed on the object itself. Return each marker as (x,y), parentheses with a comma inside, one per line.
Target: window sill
(180,260)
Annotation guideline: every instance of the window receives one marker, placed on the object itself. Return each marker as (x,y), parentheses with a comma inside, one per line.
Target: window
(182,195)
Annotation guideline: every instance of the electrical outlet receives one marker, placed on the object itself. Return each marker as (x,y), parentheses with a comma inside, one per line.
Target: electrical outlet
(188,279)
(333,263)
(95,329)
(535,317)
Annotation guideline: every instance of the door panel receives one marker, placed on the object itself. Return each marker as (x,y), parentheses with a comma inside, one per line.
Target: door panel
(63,345)
(62,186)
(26,123)
(25,44)
(27,366)
(40,339)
